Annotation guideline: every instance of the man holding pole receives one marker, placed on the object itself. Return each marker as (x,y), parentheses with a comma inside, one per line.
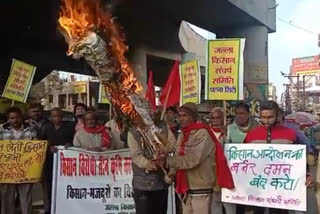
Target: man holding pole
(200,162)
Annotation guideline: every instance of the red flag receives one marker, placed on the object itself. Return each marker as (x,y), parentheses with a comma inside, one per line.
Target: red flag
(171,90)
(150,95)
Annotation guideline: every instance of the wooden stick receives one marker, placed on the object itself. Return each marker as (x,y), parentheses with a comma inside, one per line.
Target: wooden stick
(165,103)
(12,103)
(225,112)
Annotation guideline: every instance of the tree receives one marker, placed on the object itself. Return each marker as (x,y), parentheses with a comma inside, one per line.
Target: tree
(46,86)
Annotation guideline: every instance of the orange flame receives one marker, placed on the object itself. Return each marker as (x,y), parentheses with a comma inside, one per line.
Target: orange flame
(80,17)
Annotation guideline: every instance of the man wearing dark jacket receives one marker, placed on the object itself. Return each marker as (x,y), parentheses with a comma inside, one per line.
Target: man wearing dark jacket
(150,189)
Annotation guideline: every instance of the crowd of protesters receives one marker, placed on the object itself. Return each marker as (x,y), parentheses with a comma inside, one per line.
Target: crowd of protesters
(191,156)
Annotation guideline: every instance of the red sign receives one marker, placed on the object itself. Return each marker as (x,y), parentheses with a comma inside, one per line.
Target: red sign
(305,65)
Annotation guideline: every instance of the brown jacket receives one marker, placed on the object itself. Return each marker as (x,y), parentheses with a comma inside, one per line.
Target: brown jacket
(198,161)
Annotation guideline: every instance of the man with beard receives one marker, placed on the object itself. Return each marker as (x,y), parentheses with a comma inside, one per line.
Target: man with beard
(272,132)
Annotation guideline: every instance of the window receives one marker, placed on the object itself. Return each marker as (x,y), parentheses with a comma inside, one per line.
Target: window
(62,101)
(50,98)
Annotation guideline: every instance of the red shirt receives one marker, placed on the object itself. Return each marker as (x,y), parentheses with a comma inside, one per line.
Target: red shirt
(279,134)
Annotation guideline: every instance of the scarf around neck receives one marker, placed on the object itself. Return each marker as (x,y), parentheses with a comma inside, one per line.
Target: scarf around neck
(224,176)
(99,129)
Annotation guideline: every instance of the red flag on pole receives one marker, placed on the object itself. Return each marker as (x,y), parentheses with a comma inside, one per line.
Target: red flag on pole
(170,95)
(151,95)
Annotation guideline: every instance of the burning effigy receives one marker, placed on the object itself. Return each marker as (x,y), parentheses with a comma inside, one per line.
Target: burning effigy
(92,34)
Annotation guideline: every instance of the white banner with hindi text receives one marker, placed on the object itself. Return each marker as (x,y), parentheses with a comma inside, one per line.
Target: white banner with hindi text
(267,175)
(92,182)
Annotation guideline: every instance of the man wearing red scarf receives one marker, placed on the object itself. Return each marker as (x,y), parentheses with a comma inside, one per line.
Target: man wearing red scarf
(219,130)
(199,161)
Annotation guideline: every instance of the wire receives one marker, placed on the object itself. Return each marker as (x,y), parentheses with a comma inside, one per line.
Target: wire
(298,27)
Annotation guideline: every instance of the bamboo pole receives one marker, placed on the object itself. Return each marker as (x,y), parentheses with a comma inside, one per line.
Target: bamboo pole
(165,103)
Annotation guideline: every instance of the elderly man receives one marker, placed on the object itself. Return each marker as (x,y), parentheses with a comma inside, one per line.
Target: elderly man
(15,129)
(219,129)
(199,163)
(93,136)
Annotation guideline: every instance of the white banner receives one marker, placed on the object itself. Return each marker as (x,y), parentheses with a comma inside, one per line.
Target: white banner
(267,175)
(95,182)
(91,182)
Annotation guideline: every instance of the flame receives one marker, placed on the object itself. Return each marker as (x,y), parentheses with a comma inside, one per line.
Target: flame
(80,17)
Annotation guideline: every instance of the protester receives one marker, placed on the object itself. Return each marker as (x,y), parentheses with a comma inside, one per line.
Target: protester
(15,129)
(237,131)
(149,186)
(171,119)
(199,163)
(79,110)
(59,133)
(219,129)
(92,136)
(217,124)
(37,120)
(271,132)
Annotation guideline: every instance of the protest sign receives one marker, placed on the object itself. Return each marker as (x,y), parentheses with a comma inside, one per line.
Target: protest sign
(21,161)
(19,81)
(80,87)
(224,75)
(94,182)
(267,175)
(102,95)
(190,82)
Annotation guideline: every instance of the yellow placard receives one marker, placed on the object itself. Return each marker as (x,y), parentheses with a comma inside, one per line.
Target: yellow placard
(80,87)
(19,81)
(21,161)
(102,95)
(224,76)
(190,82)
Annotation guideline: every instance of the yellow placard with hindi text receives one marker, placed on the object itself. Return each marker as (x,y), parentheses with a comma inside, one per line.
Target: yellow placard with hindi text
(190,82)
(19,81)
(21,161)
(80,87)
(102,95)
(224,76)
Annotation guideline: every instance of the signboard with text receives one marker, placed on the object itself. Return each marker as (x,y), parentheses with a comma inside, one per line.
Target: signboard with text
(305,65)
(19,81)
(92,182)
(102,95)
(267,175)
(190,82)
(224,75)
(21,161)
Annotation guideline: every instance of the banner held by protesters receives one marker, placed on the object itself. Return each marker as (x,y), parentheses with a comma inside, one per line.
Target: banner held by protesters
(267,175)
(21,161)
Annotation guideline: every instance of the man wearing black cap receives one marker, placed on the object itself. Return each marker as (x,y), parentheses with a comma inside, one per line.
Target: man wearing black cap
(196,162)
